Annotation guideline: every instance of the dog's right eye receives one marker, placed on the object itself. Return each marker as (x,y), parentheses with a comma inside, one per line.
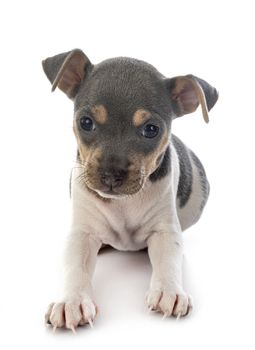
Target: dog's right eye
(87,124)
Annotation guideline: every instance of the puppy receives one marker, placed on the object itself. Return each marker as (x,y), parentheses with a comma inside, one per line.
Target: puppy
(135,185)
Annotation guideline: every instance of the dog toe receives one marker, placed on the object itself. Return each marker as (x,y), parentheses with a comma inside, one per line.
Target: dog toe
(71,314)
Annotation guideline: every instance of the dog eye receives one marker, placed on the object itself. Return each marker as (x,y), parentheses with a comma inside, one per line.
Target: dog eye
(87,124)
(150,131)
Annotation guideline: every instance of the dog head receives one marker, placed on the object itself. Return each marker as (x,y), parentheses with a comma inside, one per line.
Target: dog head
(123,109)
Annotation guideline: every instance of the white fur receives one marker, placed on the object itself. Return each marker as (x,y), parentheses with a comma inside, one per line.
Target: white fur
(150,219)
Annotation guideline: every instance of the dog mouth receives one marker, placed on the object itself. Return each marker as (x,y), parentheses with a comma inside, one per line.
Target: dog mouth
(126,190)
(109,191)
(113,186)
(112,192)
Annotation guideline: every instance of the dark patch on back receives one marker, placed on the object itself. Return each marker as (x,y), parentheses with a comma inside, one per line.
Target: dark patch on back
(205,186)
(185,179)
(164,167)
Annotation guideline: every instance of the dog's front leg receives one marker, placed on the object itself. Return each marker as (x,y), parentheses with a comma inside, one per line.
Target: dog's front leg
(166,293)
(77,307)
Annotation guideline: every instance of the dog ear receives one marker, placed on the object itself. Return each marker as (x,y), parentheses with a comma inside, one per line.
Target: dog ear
(66,71)
(187,92)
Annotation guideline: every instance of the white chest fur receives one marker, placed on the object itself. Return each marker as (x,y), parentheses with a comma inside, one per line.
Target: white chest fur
(123,223)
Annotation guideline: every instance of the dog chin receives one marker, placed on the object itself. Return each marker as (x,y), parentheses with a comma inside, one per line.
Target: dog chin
(116,195)
(109,195)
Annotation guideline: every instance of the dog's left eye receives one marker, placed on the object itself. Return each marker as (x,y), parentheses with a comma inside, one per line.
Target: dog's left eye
(150,131)
(87,124)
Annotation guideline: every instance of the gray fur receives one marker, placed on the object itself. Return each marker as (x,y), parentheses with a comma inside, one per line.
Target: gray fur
(52,65)
(185,179)
(211,94)
(124,85)
(205,186)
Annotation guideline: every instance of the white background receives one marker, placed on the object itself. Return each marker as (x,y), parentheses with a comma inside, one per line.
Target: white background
(211,39)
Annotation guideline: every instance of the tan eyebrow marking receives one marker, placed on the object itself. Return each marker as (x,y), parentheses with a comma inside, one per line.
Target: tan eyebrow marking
(140,116)
(100,114)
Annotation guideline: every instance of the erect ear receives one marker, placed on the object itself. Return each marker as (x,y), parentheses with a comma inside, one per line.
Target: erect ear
(66,71)
(187,92)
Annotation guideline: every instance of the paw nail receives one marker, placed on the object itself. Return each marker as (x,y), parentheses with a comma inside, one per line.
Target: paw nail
(54,329)
(150,309)
(164,316)
(178,316)
(73,329)
(90,322)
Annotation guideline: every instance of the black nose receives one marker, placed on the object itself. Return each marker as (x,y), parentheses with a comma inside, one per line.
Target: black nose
(113,177)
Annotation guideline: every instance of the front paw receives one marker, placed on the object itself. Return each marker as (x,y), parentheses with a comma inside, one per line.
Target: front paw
(71,314)
(170,301)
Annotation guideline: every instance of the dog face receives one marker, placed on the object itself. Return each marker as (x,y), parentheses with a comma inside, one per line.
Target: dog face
(122,125)
(123,110)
